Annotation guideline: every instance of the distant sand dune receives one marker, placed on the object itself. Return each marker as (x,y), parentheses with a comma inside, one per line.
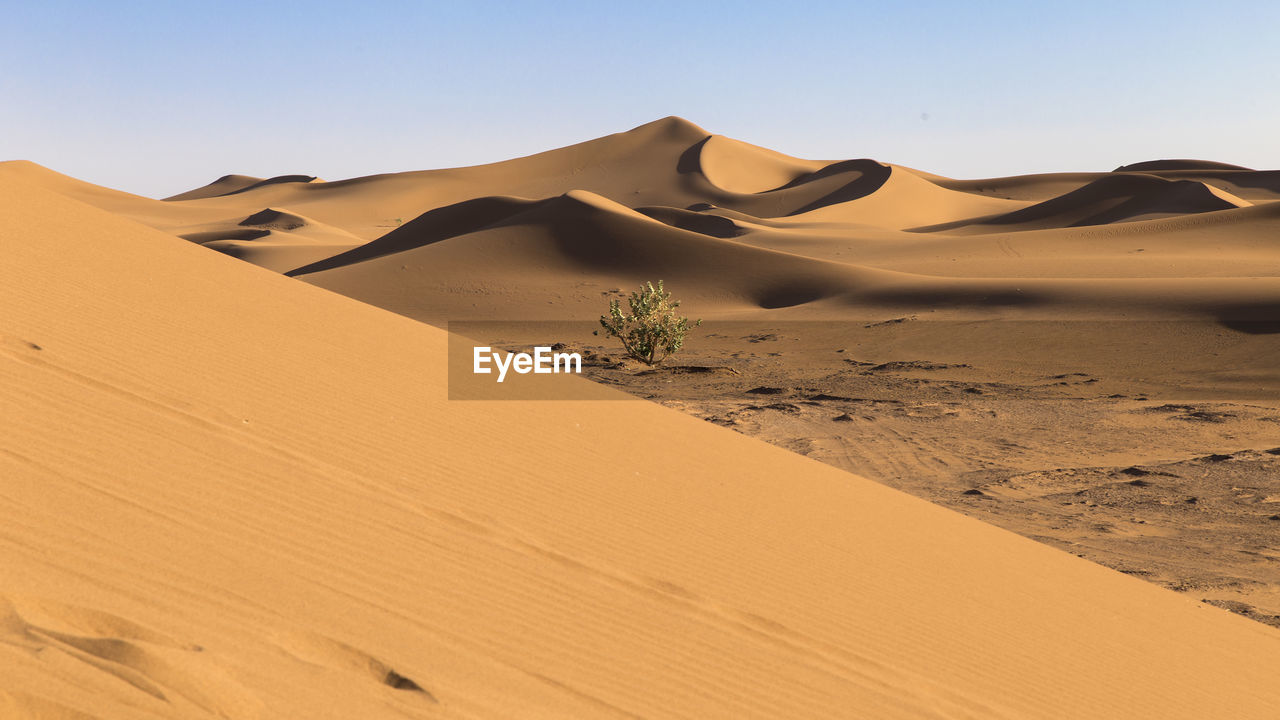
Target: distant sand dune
(740,228)
(272,238)
(224,185)
(430,227)
(1177,165)
(235,184)
(566,248)
(579,235)
(903,200)
(1121,198)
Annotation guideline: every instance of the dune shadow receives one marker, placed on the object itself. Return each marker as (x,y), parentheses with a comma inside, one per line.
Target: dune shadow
(1259,180)
(789,295)
(691,159)
(944,297)
(712,225)
(429,228)
(1259,319)
(872,176)
(200,238)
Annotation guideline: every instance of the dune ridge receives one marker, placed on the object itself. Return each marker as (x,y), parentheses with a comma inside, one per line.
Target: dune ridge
(235,184)
(222,186)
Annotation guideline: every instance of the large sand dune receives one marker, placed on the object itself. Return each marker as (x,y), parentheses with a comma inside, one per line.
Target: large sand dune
(231,493)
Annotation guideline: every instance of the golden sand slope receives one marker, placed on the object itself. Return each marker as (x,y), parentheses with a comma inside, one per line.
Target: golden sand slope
(229,494)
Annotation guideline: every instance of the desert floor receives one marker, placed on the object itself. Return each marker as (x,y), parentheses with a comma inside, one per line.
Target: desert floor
(1125,454)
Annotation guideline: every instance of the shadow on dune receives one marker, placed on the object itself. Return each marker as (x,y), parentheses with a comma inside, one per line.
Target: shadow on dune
(869,176)
(200,238)
(1209,171)
(872,176)
(955,296)
(1268,180)
(791,294)
(274,220)
(429,228)
(1251,319)
(713,225)
(690,161)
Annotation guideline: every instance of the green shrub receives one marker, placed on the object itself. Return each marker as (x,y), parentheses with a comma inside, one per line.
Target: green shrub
(652,330)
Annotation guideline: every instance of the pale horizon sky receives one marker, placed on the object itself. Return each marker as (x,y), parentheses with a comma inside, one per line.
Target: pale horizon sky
(158,97)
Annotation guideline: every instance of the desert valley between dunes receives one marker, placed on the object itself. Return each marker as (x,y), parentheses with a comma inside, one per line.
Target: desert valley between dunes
(996,448)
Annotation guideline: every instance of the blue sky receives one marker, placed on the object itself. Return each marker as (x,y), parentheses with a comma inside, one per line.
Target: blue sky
(158,97)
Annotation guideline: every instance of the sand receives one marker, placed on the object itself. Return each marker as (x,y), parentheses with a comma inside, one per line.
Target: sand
(231,492)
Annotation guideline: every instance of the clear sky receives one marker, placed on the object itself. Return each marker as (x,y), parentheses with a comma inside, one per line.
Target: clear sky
(158,96)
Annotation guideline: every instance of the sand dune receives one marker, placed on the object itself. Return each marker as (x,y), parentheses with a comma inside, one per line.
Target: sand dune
(669,162)
(739,167)
(234,184)
(904,200)
(1150,165)
(848,216)
(1115,198)
(674,171)
(276,245)
(444,240)
(430,227)
(144,210)
(368,207)
(275,239)
(224,185)
(1232,243)
(553,259)
(694,220)
(229,494)
(1257,186)
(739,229)
(1034,188)
(566,248)
(232,493)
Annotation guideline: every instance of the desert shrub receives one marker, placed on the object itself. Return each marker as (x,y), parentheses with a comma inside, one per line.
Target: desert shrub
(652,330)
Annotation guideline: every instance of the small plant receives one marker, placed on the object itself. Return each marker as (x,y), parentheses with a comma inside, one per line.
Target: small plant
(652,331)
